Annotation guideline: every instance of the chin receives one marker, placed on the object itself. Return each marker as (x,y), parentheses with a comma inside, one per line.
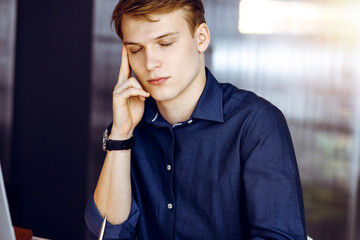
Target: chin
(161,97)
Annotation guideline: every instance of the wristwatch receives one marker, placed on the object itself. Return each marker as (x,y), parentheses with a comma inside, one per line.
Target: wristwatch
(110,145)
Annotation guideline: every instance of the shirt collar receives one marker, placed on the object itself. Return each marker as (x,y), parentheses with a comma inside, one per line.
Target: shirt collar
(209,106)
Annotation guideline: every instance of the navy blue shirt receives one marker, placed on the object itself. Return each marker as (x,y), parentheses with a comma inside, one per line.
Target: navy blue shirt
(228,172)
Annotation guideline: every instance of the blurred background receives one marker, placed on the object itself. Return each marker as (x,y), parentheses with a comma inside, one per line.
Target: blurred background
(59,62)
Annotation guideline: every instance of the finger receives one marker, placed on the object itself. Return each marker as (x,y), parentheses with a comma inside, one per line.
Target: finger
(132,92)
(135,83)
(124,72)
(124,92)
(131,82)
(142,98)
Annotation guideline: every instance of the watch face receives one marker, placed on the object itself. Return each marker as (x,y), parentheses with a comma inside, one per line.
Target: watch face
(104,144)
(105,137)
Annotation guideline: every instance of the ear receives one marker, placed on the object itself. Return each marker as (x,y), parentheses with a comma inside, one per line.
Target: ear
(203,37)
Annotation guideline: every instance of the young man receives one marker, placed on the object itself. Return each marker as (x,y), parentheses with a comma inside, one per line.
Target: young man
(210,161)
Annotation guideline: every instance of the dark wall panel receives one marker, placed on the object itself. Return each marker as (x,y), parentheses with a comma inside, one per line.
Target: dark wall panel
(7,51)
(51,115)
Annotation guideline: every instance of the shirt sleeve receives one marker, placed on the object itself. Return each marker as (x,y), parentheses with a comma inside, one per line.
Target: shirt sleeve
(126,230)
(271,179)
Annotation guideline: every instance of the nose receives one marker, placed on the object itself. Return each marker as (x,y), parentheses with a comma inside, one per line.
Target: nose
(152,59)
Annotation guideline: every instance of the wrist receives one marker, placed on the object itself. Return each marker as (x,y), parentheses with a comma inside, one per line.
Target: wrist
(117,142)
(115,134)
(120,137)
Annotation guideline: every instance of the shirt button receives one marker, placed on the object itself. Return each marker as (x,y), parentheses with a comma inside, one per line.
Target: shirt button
(168,167)
(170,206)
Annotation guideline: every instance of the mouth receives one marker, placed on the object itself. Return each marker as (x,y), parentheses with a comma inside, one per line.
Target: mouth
(157,81)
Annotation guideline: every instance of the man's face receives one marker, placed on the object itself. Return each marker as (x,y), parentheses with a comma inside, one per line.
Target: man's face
(163,55)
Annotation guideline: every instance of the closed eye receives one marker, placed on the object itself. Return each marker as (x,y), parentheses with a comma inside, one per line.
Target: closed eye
(133,51)
(166,44)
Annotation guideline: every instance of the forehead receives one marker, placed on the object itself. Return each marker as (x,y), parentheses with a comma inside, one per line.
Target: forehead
(141,29)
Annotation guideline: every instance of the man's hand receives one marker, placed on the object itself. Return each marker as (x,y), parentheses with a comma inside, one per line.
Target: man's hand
(128,101)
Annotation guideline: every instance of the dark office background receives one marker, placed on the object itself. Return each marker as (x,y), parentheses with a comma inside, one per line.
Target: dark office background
(59,62)
(49,137)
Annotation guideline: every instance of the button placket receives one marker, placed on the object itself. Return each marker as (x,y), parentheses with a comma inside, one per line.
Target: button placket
(170,201)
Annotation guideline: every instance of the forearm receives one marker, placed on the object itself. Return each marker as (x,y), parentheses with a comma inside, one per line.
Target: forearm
(112,194)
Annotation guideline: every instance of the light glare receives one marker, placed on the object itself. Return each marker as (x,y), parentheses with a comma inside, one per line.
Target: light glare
(293,17)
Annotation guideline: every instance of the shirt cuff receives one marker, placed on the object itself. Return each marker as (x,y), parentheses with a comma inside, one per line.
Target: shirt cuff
(125,230)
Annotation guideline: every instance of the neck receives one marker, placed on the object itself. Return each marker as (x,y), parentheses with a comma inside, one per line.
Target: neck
(180,108)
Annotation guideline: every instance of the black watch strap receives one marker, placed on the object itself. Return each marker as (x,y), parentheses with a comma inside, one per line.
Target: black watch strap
(111,145)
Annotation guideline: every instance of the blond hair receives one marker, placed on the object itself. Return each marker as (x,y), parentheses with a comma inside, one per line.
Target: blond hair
(194,12)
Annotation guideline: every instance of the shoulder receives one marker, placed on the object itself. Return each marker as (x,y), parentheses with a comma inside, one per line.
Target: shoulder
(243,102)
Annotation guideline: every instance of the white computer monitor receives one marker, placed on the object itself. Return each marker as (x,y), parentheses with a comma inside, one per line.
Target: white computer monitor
(6,228)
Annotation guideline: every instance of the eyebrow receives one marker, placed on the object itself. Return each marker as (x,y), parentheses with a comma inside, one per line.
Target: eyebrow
(170,34)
